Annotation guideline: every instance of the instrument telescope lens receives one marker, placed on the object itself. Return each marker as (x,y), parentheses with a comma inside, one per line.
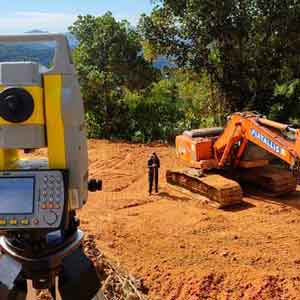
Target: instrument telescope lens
(16,105)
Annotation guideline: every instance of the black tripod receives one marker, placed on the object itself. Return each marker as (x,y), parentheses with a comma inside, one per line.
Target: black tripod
(44,258)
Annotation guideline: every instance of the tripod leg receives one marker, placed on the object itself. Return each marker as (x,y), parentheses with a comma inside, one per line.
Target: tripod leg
(78,279)
(53,292)
(19,292)
(9,276)
(4,291)
(52,289)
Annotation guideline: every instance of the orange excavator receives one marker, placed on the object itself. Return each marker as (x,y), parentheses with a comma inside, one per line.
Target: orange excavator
(249,151)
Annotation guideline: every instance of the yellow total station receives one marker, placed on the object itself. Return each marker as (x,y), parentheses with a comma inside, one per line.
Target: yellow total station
(43,108)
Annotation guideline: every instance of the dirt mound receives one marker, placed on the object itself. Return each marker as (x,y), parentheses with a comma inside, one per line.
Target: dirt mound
(182,249)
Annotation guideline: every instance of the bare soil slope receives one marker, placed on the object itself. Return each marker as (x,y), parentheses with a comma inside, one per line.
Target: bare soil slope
(184,249)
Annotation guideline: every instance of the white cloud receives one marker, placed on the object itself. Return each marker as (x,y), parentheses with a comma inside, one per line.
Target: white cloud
(23,21)
(133,20)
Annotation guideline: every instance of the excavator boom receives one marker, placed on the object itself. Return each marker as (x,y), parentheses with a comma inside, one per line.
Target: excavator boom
(265,134)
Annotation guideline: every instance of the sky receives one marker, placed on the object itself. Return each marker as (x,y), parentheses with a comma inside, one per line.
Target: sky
(19,16)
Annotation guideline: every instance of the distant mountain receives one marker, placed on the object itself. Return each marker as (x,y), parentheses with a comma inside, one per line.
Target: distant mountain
(43,53)
(37,31)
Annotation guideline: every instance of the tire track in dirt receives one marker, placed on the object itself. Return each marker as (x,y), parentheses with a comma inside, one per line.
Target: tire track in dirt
(119,174)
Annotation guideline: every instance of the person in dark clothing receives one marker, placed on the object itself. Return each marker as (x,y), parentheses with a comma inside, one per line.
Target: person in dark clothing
(153,168)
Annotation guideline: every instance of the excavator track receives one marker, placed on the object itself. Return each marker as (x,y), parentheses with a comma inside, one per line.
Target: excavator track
(271,179)
(219,191)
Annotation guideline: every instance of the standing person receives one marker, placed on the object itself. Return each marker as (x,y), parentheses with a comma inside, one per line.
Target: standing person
(153,168)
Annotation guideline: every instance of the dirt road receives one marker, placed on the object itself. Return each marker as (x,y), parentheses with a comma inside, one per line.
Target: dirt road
(186,250)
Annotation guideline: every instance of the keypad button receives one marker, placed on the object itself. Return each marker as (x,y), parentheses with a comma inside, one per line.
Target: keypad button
(44,206)
(13,222)
(36,221)
(57,206)
(25,222)
(50,205)
(50,218)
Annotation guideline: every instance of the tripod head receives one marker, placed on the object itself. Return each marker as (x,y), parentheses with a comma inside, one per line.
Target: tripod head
(42,108)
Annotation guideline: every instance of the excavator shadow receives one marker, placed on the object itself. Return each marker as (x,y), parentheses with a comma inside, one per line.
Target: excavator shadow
(173,197)
(289,200)
(206,202)
(239,207)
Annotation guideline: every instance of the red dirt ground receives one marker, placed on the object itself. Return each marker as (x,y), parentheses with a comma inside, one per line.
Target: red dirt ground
(185,250)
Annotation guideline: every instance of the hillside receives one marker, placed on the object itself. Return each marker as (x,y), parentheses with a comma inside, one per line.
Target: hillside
(183,249)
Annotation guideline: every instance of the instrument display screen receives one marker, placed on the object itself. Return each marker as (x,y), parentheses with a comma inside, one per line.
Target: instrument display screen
(17,195)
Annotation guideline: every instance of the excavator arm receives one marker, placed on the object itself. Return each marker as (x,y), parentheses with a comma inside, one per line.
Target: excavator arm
(243,128)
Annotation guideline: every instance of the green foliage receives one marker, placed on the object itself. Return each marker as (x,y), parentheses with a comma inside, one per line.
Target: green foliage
(123,95)
(180,102)
(108,60)
(288,89)
(287,107)
(155,114)
(202,104)
(246,47)
(94,124)
(232,55)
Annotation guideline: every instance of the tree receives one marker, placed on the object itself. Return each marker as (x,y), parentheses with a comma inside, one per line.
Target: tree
(179,102)
(247,47)
(155,113)
(108,60)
